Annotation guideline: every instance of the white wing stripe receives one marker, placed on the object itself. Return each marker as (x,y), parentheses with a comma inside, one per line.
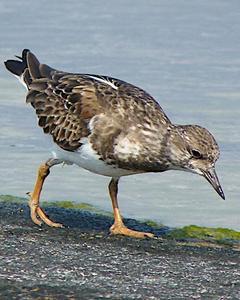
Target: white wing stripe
(103,81)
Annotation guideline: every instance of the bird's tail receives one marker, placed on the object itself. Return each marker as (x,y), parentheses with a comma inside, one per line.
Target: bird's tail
(18,67)
(27,68)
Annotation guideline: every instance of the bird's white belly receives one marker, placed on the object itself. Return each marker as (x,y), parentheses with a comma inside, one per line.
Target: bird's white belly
(88,159)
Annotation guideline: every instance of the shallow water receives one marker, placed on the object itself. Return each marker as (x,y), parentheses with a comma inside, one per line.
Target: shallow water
(185,53)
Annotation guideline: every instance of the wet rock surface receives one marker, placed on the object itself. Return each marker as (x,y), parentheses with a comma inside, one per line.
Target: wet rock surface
(83,261)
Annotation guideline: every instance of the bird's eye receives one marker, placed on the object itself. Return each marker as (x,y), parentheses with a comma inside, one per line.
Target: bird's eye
(196,154)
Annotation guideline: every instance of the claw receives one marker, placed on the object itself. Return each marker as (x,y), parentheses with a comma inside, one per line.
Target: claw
(123,230)
(38,216)
(46,220)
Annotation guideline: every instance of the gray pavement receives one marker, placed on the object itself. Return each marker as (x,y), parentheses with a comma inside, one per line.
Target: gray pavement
(83,262)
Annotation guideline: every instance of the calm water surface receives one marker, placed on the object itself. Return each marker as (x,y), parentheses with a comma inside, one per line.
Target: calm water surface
(185,53)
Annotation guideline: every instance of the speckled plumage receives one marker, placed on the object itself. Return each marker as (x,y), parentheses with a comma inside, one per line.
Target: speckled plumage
(118,123)
(66,103)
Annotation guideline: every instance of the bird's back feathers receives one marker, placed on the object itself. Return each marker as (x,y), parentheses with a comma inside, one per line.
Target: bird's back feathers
(65,102)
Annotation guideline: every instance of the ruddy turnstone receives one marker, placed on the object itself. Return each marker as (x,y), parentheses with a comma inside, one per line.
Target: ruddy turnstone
(111,128)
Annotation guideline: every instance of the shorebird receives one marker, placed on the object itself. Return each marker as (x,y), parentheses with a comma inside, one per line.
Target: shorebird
(109,127)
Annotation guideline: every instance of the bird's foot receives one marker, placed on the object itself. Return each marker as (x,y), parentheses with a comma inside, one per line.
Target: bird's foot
(38,215)
(123,230)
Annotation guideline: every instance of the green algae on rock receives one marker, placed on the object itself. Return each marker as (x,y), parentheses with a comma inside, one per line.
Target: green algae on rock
(74,205)
(13,199)
(62,204)
(219,235)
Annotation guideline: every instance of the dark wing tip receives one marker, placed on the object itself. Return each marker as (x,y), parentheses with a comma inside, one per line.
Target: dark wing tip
(24,54)
(17,67)
(14,66)
(33,64)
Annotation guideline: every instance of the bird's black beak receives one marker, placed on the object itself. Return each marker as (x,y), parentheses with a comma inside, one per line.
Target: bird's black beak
(212,178)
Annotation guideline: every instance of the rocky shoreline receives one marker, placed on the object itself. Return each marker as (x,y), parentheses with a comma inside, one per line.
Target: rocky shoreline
(82,261)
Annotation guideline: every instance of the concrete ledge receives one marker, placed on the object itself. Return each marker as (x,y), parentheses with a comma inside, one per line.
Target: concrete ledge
(84,262)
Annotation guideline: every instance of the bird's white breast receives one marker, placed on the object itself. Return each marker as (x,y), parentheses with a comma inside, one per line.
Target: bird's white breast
(87,158)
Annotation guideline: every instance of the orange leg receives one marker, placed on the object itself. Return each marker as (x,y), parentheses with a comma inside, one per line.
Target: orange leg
(118,227)
(37,213)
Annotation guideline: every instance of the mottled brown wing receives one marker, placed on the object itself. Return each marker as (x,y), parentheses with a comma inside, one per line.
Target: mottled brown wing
(141,106)
(128,102)
(64,105)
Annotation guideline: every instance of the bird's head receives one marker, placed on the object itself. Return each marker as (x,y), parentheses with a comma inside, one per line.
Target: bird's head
(196,150)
